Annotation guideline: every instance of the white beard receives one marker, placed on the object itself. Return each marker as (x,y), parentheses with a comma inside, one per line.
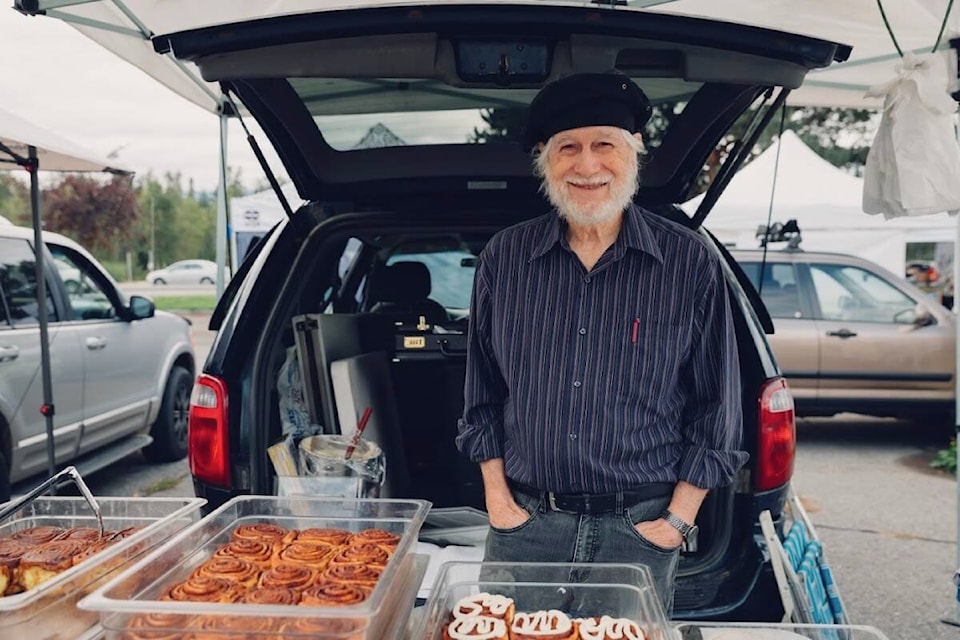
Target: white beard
(621,194)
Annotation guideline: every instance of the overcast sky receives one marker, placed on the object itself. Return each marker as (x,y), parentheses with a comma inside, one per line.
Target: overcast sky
(62,81)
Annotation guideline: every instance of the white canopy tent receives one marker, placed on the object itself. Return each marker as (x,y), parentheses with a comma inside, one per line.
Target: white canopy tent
(24,145)
(824,200)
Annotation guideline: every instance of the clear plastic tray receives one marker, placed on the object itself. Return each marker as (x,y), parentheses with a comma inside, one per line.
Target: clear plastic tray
(137,591)
(49,610)
(774,631)
(580,590)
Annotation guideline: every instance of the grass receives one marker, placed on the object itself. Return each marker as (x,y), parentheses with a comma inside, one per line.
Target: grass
(186,303)
(946,459)
(164,484)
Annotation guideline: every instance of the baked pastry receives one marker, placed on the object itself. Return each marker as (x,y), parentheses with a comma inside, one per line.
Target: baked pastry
(92,549)
(476,628)
(356,573)
(271,596)
(45,561)
(204,589)
(485,604)
(157,626)
(288,576)
(256,552)
(10,552)
(334,594)
(335,537)
(542,625)
(39,535)
(233,627)
(83,534)
(303,628)
(607,628)
(377,536)
(315,555)
(269,533)
(369,554)
(233,569)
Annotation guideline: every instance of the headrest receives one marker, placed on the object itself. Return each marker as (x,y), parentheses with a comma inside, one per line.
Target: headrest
(401,282)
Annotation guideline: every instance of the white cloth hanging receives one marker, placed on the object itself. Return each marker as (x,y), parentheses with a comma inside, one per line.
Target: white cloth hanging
(913,167)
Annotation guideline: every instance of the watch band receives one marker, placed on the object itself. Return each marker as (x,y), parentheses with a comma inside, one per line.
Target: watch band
(677,523)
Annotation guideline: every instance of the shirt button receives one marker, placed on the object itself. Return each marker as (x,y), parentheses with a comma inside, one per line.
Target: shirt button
(573,436)
(587,279)
(583,331)
(577,383)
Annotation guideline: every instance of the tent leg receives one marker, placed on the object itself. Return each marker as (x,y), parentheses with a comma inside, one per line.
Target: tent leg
(47,408)
(222,204)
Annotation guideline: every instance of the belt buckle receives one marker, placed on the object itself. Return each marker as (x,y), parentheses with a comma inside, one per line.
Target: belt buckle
(552,502)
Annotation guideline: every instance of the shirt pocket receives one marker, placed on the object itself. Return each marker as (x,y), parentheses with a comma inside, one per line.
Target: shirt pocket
(651,361)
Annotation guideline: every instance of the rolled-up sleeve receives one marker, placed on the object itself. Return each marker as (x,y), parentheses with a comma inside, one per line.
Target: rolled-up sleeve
(480,434)
(713,416)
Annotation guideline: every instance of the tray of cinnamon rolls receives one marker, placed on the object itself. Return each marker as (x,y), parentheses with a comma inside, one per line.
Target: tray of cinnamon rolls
(543,601)
(52,554)
(274,568)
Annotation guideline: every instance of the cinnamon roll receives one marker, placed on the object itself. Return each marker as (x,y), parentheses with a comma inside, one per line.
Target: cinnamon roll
(233,627)
(91,550)
(269,533)
(83,534)
(377,536)
(356,573)
(485,604)
(256,552)
(302,628)
(274,595)
(10,553)
(543,625)
(157,626)
(607,628)
(476,628)
(328,593)
(316,556)
(287,576)
(233,569)
(203,589)
(45,561)
(335,537)
(368,554)
(39,535)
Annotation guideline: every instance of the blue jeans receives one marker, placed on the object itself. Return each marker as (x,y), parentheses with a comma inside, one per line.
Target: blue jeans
(555,536)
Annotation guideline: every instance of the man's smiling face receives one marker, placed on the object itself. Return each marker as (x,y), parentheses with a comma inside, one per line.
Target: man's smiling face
(590,173)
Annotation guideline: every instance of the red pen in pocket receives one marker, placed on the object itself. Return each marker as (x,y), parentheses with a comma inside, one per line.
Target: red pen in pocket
(636,330)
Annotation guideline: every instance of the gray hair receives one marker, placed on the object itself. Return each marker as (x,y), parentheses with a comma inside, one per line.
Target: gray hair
(540,158)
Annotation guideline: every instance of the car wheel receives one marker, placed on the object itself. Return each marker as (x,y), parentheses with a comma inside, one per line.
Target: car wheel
(170,430)
(206,281)
(4,479)
(159,281)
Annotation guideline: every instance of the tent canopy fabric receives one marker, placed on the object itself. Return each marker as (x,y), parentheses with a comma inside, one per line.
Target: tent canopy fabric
(915,23)
(54,152)
(824,200)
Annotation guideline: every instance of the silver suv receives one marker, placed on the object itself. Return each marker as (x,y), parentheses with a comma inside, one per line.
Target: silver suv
(122,371)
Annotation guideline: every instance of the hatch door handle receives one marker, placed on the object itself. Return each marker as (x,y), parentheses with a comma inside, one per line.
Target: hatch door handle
(96,343)
(9,353)
(842,333)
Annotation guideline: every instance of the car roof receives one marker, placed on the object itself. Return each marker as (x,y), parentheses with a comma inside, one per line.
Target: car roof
(26,233)
(316,81)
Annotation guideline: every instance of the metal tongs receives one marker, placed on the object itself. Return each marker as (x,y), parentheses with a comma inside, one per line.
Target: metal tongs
(68,474)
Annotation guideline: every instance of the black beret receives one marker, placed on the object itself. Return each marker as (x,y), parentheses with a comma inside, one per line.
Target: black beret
(585,100)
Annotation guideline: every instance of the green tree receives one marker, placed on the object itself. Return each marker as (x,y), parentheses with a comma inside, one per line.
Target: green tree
(14,199)
(99,215)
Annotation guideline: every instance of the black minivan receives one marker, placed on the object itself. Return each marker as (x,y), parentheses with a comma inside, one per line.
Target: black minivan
(399,125)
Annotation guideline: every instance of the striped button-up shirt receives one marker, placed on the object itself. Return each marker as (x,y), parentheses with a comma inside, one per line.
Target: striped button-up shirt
(599,381)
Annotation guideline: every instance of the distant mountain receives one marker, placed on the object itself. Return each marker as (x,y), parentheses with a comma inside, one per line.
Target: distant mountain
(379,136)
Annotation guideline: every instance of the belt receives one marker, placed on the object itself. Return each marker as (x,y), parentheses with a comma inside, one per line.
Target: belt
(594,503)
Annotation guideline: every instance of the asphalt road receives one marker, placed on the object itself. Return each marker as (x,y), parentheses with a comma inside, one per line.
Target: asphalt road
(887,520)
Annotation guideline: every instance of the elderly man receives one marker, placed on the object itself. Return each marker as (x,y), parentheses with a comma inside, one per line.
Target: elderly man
(602,391)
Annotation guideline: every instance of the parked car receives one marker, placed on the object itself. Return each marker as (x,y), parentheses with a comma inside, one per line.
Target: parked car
(426,198)
(121,370)
(852,336)
(185,272)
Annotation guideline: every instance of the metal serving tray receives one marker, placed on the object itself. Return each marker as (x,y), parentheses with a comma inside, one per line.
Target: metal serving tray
(137,591)
(49,610)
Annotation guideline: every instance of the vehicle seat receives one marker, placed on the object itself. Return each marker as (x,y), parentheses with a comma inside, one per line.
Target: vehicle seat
(403,289)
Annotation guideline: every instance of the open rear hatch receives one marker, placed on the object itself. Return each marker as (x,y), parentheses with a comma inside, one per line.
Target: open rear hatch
(384,105)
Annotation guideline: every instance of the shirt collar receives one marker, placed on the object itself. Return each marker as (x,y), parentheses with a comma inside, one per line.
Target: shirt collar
(635,233)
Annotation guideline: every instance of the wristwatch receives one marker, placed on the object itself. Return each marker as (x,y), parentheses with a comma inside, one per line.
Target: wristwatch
(687,530)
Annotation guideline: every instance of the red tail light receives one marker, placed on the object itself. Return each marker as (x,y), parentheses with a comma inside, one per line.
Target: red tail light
(777,439)
(209,449)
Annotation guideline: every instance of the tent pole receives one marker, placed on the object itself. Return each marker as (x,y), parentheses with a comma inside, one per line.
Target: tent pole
(40,249)
(222,202)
